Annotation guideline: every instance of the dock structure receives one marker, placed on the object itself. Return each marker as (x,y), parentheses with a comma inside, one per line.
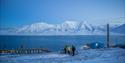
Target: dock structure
(25,51)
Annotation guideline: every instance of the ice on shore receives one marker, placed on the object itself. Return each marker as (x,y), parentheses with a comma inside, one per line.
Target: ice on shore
(111,55)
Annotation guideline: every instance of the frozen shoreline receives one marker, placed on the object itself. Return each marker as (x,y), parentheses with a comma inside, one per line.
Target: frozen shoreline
(111,55)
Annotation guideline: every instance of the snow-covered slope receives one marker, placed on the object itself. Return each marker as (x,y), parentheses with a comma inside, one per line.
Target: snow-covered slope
(111,55)
(36,27)
(65,28)
(119,29)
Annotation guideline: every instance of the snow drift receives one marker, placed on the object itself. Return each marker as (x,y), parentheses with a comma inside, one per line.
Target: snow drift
(110,55)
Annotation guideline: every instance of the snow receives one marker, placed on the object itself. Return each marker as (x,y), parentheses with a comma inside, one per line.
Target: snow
(107,55)
(69,24)
(36,27)
(65,28)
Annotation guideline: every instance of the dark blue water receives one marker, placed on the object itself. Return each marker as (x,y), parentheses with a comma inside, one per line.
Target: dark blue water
(54,43)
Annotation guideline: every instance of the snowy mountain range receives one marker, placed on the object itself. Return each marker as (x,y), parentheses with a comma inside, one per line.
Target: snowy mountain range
(65,28)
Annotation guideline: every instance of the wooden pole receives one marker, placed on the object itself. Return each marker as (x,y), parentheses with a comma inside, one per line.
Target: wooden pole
(107,35)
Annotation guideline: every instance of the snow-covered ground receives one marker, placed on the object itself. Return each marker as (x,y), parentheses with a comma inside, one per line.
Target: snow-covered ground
(110,55)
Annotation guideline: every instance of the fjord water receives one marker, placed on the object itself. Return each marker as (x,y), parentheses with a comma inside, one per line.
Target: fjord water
(53,43)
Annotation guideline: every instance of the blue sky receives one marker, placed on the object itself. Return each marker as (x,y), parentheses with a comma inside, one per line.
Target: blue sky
(21,12)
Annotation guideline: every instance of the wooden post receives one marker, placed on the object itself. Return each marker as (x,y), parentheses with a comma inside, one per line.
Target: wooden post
(107,36)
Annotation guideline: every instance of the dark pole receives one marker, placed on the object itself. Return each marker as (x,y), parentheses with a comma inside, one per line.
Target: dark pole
(107,35)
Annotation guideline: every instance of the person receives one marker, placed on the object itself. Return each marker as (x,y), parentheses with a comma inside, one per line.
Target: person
(73,50)
(69,49)
(65,49)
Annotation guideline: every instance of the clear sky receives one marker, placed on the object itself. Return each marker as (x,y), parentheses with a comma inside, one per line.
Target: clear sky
(21,12)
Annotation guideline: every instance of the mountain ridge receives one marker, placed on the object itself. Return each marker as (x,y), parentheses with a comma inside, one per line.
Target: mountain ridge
(65,28)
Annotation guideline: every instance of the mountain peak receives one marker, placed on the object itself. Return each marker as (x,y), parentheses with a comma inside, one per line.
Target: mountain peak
(67,27)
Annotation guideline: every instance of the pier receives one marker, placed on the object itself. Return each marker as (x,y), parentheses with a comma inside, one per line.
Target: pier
(25,51)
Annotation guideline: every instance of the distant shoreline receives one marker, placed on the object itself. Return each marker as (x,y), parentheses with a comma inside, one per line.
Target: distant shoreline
(62,35)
